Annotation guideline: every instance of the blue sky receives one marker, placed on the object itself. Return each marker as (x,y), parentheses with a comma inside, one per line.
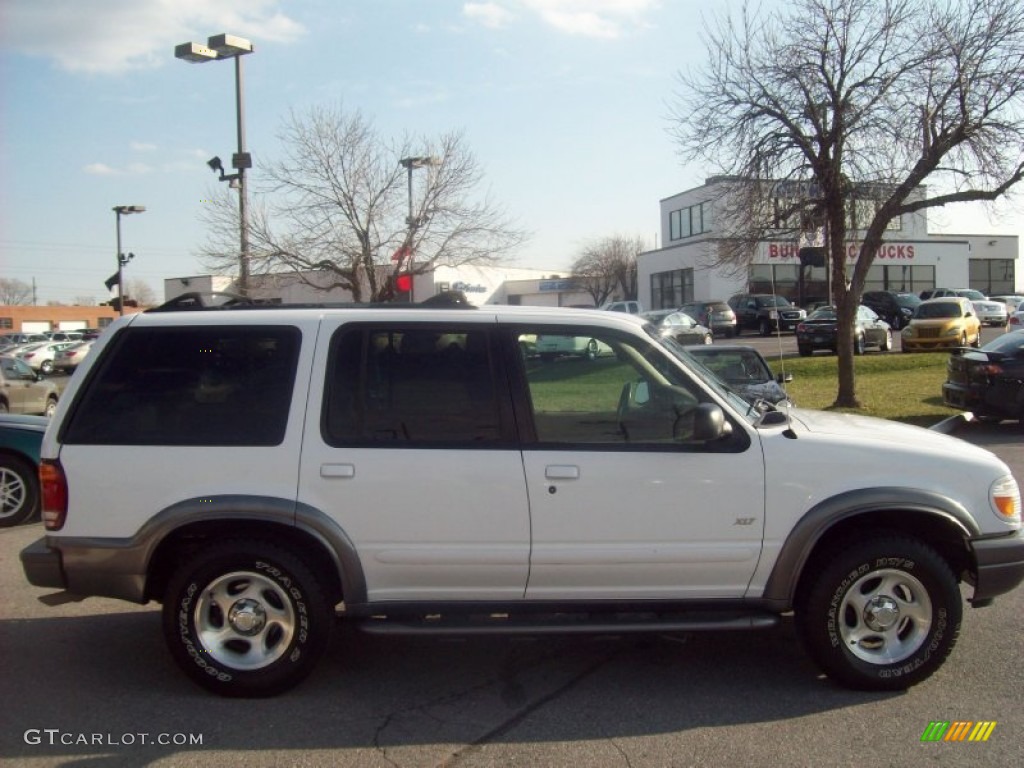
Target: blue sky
(563,102)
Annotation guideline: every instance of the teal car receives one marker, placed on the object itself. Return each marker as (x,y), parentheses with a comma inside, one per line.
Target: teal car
(20,438)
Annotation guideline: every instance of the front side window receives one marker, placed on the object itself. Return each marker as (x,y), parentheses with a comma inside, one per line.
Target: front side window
(626,393)
(192,385)
(416,384)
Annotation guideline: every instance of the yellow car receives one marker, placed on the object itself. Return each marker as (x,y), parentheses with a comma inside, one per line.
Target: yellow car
(950,321)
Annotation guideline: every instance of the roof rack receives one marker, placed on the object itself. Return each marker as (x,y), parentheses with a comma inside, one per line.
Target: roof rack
(215,300)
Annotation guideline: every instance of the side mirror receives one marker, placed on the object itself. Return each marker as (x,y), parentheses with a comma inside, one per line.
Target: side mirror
(708,424)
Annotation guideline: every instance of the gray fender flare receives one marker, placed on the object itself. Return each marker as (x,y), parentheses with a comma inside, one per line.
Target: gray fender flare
(780,587)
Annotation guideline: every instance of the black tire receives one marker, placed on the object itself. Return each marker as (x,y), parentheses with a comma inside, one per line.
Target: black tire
(886,344)
(917,612)
(764,328)
(51,407)
(858,344)
(46,367)
(3,406)
(592,350)
(19,491)
(805,351)
(259,583)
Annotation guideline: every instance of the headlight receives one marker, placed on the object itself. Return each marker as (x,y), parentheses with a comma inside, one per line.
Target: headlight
(908,330)
(1005,498)
(954,331)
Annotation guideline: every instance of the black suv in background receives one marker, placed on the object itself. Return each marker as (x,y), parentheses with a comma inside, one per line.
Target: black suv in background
(895,307)
(765,313)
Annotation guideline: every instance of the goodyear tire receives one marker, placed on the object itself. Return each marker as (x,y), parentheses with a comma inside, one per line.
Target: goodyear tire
(246,618)
(882,615)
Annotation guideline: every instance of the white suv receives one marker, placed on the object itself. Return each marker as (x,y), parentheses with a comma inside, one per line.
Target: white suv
(259,470)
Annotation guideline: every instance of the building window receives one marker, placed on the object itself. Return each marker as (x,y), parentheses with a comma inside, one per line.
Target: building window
(6,323)
(904,278)
(993,277)
(686,222)
(671,289)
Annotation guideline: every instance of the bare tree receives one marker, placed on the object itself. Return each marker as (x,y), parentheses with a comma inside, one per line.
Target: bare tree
(335,211)
(140,291)
(834,110)
(15,292)
(608,266)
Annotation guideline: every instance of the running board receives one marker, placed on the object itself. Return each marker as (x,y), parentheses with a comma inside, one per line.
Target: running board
(600,623)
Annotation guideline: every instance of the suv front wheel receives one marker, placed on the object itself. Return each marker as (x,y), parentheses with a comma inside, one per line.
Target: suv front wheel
(246,618)
(882,615)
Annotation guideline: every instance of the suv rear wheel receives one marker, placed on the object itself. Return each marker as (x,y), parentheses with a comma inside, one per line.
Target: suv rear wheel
(883,615)
(246,618)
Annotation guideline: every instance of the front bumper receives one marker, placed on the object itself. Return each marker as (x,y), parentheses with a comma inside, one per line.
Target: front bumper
(924,344)
(999,563)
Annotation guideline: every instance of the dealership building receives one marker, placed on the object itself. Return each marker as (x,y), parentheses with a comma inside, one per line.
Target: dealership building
(689,266)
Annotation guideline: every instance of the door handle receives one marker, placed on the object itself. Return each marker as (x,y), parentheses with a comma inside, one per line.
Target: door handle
(562,472)
(338,470)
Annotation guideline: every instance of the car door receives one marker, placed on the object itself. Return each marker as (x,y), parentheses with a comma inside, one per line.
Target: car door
(624,503)
(410,449)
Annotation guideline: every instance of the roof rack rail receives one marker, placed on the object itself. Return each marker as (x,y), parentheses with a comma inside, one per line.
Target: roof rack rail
(211,300)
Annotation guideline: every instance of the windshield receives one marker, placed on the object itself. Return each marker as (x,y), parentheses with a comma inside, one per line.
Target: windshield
(908,300)
(823,313)
(709,379)
(940,309)
(973,295)
(773,301)
(1007,344)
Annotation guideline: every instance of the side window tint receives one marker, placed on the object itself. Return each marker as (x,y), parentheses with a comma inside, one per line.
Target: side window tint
(192,385)
(411,385)
(624,393)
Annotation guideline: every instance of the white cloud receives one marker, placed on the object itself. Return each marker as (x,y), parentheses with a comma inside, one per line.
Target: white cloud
(487,14)
(113,36)
(99,169)
(142,146)
(592,18)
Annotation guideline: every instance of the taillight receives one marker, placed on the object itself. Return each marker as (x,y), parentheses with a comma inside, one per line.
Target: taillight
(53,487)
(988,369)
(801,328)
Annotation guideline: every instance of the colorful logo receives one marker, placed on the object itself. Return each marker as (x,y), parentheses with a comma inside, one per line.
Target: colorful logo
(958,730)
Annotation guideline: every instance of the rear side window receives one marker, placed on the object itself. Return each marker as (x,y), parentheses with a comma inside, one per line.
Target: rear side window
(402,385)
(190,385)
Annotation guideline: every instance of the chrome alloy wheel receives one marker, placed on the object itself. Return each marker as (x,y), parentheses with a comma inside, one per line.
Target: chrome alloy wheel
(244,620)
(885,616)
(13,492)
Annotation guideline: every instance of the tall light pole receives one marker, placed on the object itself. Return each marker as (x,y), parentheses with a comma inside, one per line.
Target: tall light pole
(412,222)
(119,211)
(230,47)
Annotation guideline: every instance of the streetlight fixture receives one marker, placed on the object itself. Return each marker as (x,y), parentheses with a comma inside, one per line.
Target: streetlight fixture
(230,47)
(122,259)
(412,222)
